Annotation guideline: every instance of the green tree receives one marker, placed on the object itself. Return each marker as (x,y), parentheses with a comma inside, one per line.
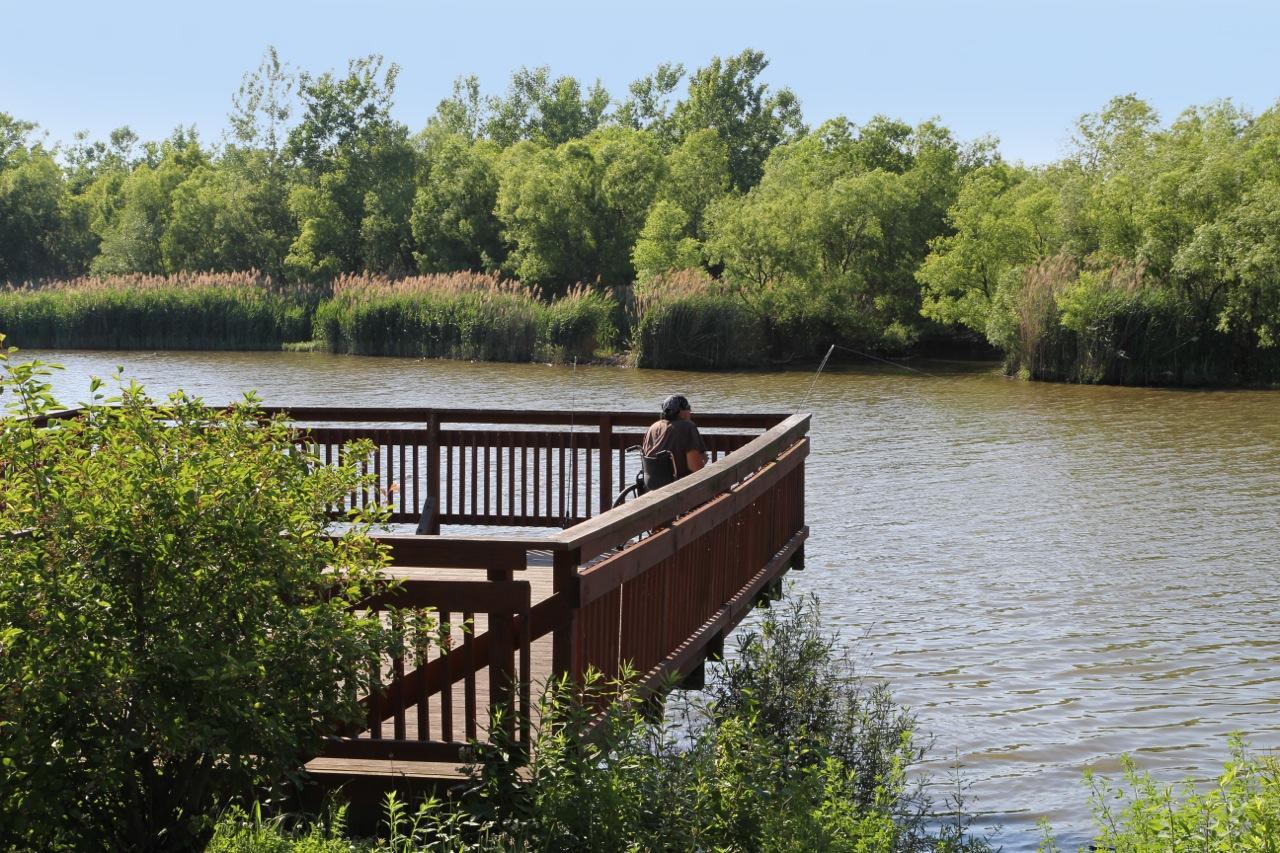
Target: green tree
(171,562)
(572,213)
(453,221)
(133,235)
(543,110)
(727,96)
(356,181)
(43,232)
(1003,219)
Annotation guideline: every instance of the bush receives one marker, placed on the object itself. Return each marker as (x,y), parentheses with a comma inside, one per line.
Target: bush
(685,320)
(789,752)
(176,627)
(1240,813)
(455,315)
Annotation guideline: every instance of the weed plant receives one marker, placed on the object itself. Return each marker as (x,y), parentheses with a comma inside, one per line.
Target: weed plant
(1116,326)
(788,750)
(687,320)
(235,311)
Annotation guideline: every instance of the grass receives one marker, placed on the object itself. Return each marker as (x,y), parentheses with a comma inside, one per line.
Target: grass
(687,320)
(241,311)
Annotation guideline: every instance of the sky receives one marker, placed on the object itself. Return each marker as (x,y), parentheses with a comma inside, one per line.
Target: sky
(1019,71)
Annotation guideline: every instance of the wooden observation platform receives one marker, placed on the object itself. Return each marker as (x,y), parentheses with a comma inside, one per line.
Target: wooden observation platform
(656,583)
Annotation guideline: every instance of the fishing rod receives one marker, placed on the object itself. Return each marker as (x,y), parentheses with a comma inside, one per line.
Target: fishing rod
(835,347)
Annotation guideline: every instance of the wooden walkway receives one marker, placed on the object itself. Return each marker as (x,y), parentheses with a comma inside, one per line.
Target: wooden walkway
(655,584)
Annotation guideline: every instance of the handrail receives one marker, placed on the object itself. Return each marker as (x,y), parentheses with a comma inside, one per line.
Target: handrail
(585,418)
(661,505)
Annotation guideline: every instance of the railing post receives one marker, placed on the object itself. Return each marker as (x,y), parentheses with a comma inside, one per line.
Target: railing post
(502,657)
(564,645)
(433,474)
(606,463)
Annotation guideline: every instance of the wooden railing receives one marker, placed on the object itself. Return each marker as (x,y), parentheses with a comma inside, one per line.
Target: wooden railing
(460,466)
(656,583)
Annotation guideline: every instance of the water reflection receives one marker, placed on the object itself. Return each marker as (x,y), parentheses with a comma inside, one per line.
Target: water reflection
(1051,575)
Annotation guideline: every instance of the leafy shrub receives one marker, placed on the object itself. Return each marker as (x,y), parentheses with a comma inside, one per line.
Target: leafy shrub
(1240,813)
(789,752)
(455,315)
(176,628)
(578,324)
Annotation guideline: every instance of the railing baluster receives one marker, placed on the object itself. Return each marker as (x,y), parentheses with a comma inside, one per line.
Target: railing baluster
(474,480)
(487,517)
(469,685)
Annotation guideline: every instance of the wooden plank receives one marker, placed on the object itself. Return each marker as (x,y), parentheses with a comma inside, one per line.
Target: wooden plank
(484,596)
(384,749)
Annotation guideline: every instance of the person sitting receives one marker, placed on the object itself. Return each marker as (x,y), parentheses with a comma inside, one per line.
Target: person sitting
(675,437)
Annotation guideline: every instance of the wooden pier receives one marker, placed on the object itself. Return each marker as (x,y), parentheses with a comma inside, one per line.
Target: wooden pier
(655,584)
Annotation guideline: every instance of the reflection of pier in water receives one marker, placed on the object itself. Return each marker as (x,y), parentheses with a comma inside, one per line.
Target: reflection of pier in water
(697,555)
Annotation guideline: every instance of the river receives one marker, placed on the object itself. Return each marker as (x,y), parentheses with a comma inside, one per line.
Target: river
(1049,575)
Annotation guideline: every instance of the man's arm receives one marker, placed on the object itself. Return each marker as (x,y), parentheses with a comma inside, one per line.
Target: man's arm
(697,460)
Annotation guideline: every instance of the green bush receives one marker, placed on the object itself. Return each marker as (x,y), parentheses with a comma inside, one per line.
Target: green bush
(578,324)
(176,627)
(1239,813)
(788,751)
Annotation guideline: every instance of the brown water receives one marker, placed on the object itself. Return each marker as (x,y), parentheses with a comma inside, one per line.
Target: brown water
(1050,575)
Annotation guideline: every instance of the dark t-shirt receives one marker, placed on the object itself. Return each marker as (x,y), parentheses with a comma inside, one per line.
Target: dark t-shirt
(678,436)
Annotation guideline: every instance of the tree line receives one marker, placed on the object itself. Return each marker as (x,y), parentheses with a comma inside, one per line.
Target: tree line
(1148,253)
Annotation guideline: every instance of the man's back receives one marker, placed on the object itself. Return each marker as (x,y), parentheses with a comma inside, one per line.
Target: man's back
(678,437)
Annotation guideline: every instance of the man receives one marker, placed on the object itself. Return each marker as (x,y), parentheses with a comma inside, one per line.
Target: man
(676,434)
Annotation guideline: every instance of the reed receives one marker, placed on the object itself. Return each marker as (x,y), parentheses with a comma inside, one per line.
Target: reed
(452,315)
(237,311)
(686,319)
(464,315)
(1116,326)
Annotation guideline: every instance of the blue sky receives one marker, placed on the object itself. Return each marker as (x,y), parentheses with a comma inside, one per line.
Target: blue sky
(1022,71)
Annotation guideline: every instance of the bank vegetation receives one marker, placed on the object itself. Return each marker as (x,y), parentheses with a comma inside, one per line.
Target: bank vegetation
(695,221)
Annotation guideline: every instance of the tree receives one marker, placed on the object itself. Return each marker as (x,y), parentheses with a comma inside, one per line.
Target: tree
(454,226)
(572,213)
(726,96)
(357,175)
(546,111)
(177,627)
(647,106)
(1004,218)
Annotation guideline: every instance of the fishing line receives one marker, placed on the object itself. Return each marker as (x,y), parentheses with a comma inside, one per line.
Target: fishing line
(835,347)
(573,443)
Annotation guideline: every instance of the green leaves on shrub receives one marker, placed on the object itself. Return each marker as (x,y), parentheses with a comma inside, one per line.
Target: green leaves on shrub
(178,628)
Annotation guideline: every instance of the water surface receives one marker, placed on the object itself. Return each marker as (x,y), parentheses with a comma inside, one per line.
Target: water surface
(1049,575)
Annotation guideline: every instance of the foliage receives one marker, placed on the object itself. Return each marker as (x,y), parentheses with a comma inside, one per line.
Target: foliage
(177,625)
(825,248)
(579,324)
(1240,812)
(684,319)
(460,315)
(236,311)
(1188,211)
(790,751)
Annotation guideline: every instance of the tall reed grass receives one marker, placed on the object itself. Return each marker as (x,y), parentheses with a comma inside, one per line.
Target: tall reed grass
(243,311)
(465,315)
(1117,326)
(686,319)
